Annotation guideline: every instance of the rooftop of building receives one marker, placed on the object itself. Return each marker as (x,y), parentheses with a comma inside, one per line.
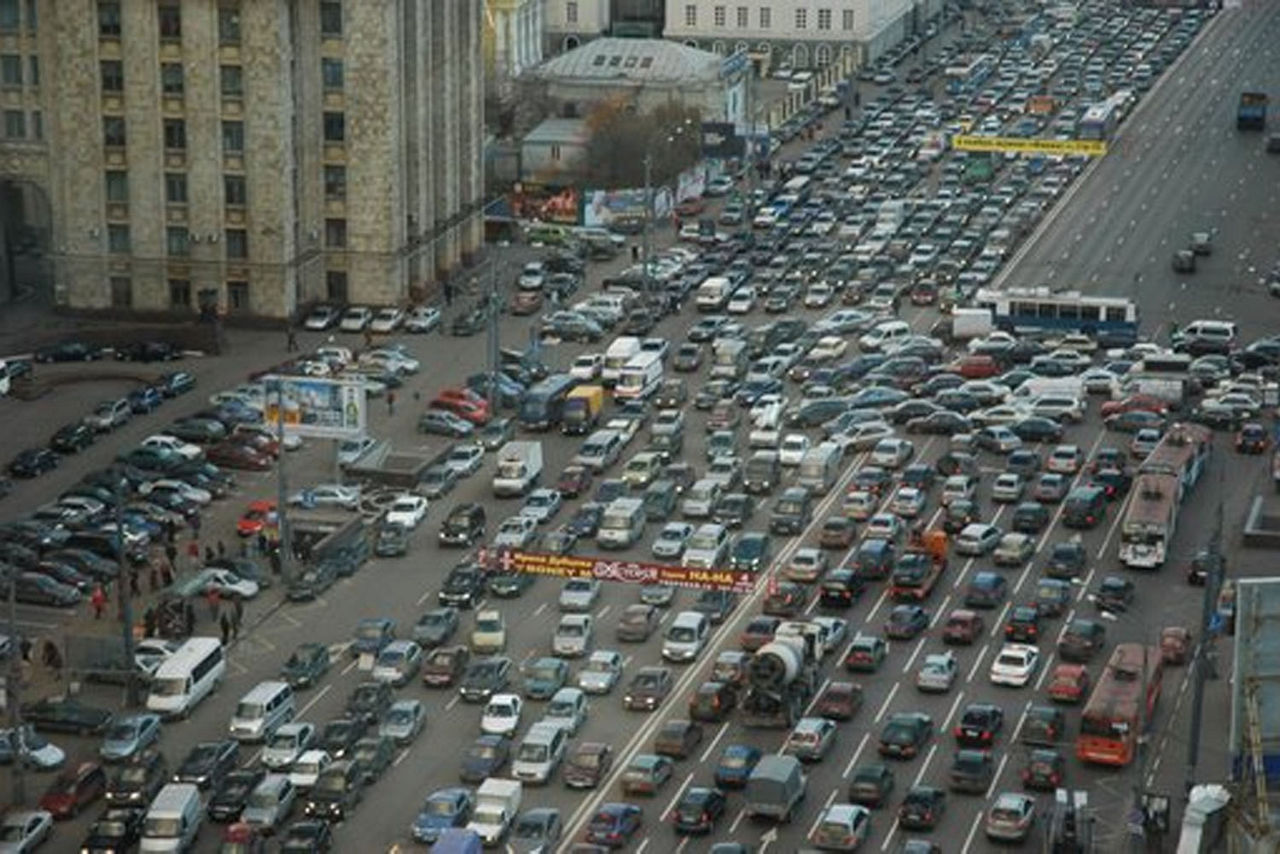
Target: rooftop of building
(558,131)
(632,60)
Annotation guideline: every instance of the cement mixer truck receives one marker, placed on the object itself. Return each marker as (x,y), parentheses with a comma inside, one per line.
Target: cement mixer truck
(781,679)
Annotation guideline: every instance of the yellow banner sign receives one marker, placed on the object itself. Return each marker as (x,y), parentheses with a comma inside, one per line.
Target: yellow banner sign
(627,572)
(1053,147)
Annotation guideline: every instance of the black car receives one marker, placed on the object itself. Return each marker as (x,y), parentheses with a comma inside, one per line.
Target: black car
(586,521)
(1044,770)
(306,837)
(339,737)
(510,585)
(33,462)
(1081,639)
(464,586)
(716,604)
(208,763)
(312,581)
(35,588)
(138,781)
(175,383)
(200,431)
(922,808)
(117,829)
(68,351)
(484,678)
(905,734)
(370,700)
(148,351)
(979,725)
(1030,517)
(393,540)
(337,791)
(840,588)
(1114,594)
(72,438)
(66,715)
(1037,429)
(1067,560)
(374,753)
(145,400)
(463,526)
(698,810)
(1043,725)
(1023,625)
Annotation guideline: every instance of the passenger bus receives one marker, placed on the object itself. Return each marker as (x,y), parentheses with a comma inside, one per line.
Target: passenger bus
(1165,479)
(1114,320)
(543,405)
(1122,704)
(1100,120)
(969,76)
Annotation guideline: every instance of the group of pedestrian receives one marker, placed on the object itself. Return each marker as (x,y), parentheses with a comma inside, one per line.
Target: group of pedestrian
(228,623)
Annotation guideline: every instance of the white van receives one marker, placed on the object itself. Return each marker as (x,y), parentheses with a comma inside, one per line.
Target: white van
(883,334)
(173,819)
(819,468)
(261,711)
(600,450)
(713,294)
(187,677)
(1221,332)
(621,351)
(540,753)
(639,377)
(622,524)
(686,636)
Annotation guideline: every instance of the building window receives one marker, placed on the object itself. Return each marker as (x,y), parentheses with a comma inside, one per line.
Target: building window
(15,124)
(171,78)
(118,239)
(846,19)
(231,81)
(175,188)
(112,73)
(766,17)
(109,19)
(11,69)
(571,12)
(177,241)
(229,24)
(718,14)
(335,127)
(175,134)
(690,15)
(37,124)
(331,73)
(802,19)
(8,16)
(234,192)
(335,182)
(31,15)
(335,233)
(117,183)
(179,293)
(744,17)
(331,18)
(237,243)
(170,16)
(113,131)
(824,19)
(232,137)
(121,292)
(335,286)
(33,70)
(238,297)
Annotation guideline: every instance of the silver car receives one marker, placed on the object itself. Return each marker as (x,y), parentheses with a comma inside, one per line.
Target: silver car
(601,672)
(671,540)
(579,594)
(403,721)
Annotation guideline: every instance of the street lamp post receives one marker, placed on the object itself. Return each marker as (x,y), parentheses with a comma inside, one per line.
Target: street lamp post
(18,795)
(126,605)
(646,239)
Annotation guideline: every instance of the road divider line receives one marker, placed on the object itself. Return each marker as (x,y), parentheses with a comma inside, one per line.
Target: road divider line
(915,653)
(999,622)
(1022,719)
(311,703)
(982,653)
(995,779)
(737,820)
(946,722)
(848,769)
(884,707)
(924,767)
(1044,671)
(675,799)
(973,830)
(404,754)
(706,754)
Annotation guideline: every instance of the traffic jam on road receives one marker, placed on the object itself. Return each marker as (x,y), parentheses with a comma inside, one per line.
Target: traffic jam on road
(841,528)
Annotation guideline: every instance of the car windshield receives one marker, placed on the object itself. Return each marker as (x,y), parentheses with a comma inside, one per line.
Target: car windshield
(133,774)
(369,631)
(544,671)
(648,680)
(533,752)
(122,731)
(156,827)
(170,687)
(1011,659)
(589,759)
(331,783)
(572,630)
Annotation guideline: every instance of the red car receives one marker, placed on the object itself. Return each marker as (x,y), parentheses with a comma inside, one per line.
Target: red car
(525,302)
(74,789)
(574,481)
(840,701)
(1134,403)
(234,455)
(256,439)
(1252,439)
(464,403)
(1069,684)
(924,293)
(976,367)
(254,518)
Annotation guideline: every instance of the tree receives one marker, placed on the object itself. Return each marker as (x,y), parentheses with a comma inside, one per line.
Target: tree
(619,139)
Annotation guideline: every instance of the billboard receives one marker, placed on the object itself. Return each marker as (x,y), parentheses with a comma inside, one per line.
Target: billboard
(721,140)
(1256,679)
(317,408)
(1017,144)
(546,204)
(605,208)
(624,571)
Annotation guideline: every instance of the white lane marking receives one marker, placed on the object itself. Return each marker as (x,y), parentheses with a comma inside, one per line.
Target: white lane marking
(706,754)
(848,769)
(978,661)
(884,707)
(933,748)
(955,704)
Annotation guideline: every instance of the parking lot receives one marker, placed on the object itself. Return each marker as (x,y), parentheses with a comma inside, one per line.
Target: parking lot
(882,230)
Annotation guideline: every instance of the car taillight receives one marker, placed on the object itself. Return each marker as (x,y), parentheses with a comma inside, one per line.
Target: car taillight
(986,736)
(958,732)
(1055,778)
(1026,775)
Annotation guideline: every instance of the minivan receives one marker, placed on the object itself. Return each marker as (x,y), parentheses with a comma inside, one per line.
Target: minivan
(622,524)
(173,819)
(700,498)
(270,803)
(708,547)
(601,450)
(686,636)
(540,753)
(775,788)
(261,711)
(883,335)
(188,676)
(819,468)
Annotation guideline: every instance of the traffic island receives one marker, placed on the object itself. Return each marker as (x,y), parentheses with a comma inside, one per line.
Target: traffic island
(1262,524)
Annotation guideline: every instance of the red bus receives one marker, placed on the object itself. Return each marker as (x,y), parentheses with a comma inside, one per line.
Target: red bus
(1123,701)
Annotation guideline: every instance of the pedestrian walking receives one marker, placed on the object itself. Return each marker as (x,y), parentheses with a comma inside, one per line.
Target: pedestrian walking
(237,611)
(53,659)
(244,549)
(635,252)
(209,554)
(149,622)
(214,598)
(236,619)
(225,625)
(368,338)
(153,578)
(25,646)
(448,294)
(166,574)
(195,527)
(170,531)
(391,402)
(171,552)
(291,342)
(189,618)
(222,549)
(98,601)
(134,588)
(276,566)
(262,543)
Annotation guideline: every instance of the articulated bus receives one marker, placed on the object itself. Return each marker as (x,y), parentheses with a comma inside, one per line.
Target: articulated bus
(1122,704)
(1165,479)
(969,75)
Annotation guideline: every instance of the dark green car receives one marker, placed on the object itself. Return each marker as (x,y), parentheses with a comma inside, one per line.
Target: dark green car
(307,664)
(374,753)
(66,715)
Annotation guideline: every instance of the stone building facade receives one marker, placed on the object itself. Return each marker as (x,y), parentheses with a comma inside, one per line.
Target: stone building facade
(250,156)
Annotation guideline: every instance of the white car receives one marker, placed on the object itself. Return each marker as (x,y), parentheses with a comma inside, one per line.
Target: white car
(150,653)
(908,502)
(579,594)
(516,532)
(859,505)
(181,487)
(741,301)
(1003,415)
(165,442)
(829,348)
(391,361)
(977,538)
(573,636)
(671,540)
(37,751)
(502,715)
(998,439)
(287,743)
(938,672)
(407,510)
(1065,459)
(837,632)
(387,319)
(351,450)
(892,453)
(327,495)
(994,342)
(818,295)
(807,565)
(987,392)
(867,434)
(490,633)
(307,767)
(422,318)
(601,671)
(542,504)
(228,584)
(884,526)
(1008,487)
(1015,665)
(532,276)
(587,367)
(465,459)
(356,319)
(793,448)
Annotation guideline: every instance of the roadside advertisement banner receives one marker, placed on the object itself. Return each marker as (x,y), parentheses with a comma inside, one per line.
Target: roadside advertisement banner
(546,204)
(691,183)
(721,140)
(606,208)
(1020,145)
(625,572)
(317,408)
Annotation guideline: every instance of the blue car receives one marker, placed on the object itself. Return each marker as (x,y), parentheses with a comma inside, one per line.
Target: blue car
(443,809)
(145,400)
(510,392)
(735,765)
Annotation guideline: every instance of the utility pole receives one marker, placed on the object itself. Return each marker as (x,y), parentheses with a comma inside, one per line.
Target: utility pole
(19,794)
(648,217)
(751,164)
(1137,814)
(495,355)
(282,524)
(126,606)
(1212,584)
